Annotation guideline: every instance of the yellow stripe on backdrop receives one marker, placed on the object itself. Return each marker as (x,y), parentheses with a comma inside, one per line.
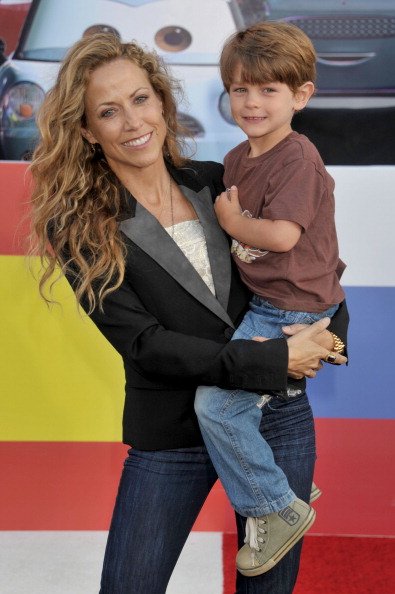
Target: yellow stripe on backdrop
(60,379)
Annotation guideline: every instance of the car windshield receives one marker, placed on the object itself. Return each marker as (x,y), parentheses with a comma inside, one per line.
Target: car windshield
(183,32)
(320,7)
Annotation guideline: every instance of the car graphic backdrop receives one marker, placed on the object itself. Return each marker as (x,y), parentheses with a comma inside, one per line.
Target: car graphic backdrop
(351,118)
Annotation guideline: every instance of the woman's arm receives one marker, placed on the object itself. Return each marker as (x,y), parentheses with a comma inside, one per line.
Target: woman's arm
(162,355)
(338,325)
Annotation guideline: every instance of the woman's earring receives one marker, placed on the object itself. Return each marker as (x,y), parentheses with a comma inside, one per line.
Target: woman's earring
(96,150)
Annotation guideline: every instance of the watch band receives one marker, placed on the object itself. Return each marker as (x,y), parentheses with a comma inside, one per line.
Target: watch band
(338,344)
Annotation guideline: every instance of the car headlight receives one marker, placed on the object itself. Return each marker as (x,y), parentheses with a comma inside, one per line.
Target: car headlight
(224,108)
(21,102)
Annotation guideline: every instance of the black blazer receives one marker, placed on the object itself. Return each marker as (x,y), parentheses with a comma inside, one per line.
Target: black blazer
(171,331)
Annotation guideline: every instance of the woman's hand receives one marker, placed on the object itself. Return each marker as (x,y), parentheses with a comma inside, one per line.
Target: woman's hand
(324,338)
(305,353)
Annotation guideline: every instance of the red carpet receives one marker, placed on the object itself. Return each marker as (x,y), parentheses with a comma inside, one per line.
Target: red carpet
(334,565)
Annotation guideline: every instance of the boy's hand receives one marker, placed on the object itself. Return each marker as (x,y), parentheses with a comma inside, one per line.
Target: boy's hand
(227,207)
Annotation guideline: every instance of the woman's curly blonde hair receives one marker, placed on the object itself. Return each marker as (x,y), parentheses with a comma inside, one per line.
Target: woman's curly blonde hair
(76,200)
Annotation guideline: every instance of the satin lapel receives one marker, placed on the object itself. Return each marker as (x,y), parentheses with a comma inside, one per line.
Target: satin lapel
(217,243)
(145,231)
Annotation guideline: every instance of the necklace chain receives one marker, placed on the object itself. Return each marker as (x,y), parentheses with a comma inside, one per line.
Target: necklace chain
(164,202)
(171,207)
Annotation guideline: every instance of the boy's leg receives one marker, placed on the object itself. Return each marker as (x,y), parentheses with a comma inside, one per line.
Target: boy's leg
(288,427)
(255,485)
(159,498)
(229,422)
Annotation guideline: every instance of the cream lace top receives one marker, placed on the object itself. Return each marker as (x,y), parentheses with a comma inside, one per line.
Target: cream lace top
(190,238)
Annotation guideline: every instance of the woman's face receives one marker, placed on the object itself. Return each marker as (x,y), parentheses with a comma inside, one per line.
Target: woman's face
(124,115)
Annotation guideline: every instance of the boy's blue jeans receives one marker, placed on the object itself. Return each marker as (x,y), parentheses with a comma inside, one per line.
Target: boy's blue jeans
(229,421)
(162,492)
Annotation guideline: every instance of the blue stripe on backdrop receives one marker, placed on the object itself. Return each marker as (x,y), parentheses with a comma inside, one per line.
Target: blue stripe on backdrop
(365,388)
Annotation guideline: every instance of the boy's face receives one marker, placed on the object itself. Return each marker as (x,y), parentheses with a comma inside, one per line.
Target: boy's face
(264,111)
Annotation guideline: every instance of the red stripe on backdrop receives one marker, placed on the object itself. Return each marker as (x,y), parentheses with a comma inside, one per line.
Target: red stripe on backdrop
(229,551)
(14,198)
(355,472)
(58,485)
(71,486)
(332,565)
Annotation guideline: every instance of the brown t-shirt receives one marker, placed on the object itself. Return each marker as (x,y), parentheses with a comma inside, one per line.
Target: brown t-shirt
(289,182)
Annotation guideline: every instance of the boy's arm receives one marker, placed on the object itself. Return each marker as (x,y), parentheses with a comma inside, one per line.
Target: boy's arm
(266,234)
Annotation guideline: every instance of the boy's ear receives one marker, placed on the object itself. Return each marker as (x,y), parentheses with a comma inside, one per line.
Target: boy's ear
(303,95)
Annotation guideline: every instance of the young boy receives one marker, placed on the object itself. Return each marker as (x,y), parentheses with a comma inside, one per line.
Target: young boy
(285,246)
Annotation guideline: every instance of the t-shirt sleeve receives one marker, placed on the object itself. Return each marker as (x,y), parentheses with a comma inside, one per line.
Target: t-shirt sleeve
(228,162)
(294,194)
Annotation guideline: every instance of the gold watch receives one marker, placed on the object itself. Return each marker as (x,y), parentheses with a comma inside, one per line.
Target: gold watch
(338,344)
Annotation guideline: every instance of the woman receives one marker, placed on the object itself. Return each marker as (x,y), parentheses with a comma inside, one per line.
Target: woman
(132,225)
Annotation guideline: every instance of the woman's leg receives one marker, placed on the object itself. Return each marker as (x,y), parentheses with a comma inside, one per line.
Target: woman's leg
(289,430)
(159,498)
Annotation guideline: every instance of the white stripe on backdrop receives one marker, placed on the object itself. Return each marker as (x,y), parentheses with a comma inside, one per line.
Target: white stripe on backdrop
(365,216)
(70,563)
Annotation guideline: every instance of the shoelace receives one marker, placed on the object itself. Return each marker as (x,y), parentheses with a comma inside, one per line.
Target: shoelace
(253,530)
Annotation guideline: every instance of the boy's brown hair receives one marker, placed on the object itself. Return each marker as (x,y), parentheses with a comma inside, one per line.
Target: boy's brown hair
(270,51)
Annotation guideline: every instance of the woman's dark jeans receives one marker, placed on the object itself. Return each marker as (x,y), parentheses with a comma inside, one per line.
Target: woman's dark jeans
(162,492)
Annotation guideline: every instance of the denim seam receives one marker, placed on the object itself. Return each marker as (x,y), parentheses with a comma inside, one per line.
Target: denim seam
(264,507)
